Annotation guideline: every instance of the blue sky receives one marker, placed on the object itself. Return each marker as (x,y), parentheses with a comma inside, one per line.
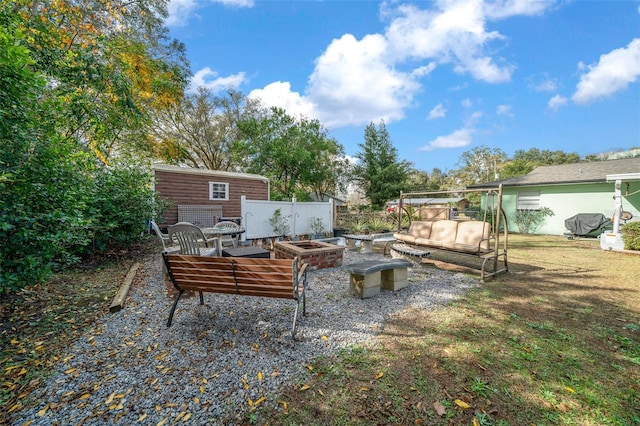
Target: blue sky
(445,76)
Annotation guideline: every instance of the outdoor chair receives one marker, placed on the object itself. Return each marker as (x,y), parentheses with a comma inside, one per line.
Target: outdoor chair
(190,237)
(228,240)
(164,239)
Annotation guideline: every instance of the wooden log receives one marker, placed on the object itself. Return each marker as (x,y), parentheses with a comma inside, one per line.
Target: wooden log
(118,300)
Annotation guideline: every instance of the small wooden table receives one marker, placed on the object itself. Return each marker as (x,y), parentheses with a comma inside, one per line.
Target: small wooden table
(253,252)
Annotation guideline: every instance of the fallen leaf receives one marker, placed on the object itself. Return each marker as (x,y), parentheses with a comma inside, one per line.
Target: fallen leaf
(379,375)
(43,411)
(305,387)
(440,409)
(568,389)
(460,403)
(259,375)
(142,417)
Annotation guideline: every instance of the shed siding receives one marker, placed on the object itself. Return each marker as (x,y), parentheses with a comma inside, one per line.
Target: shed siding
(193,189)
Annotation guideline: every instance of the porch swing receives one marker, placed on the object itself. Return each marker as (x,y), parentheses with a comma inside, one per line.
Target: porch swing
(468,236)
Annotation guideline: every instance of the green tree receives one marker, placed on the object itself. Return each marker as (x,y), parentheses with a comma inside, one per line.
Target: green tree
(480,164)
(524,162)
(78,79)
(380,173)
(202,130)
(296,155)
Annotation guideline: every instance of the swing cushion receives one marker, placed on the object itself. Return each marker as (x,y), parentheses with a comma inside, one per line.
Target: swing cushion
(443,234)
(417,229)
(463,236)
(472,236)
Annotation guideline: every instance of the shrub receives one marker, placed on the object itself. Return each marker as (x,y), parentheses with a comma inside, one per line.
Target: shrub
(631,235)
(530,220)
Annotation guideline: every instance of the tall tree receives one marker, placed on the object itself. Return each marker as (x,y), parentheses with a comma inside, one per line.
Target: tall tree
(524,162)
(380,173)
(202,130)
(480,164)
(296,155)
(108,64)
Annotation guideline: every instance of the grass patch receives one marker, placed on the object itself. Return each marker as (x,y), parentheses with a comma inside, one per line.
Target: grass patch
(553,342)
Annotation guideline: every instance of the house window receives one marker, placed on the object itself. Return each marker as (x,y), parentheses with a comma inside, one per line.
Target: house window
(218,191)
(529,200)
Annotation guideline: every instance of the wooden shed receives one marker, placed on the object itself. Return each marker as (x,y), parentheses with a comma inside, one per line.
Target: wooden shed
(216,192)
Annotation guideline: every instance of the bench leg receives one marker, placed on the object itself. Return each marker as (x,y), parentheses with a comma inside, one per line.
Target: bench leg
(364,286)
(367,247)
(173,308)
(351,244)
(395,279)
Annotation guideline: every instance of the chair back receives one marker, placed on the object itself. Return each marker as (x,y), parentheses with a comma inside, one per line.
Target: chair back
(228,240)
(227,224)
(188,236)
(162,236)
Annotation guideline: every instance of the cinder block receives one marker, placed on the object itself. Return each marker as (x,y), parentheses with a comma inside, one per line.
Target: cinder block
(394,279)
(365,286)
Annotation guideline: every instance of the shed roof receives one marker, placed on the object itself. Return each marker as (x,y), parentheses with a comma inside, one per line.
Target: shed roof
(575,173)
(207,172)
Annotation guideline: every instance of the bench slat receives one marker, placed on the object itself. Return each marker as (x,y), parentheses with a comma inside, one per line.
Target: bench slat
(274,278)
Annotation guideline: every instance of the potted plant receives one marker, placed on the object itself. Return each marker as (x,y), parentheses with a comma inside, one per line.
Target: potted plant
(317,226)
(279,223)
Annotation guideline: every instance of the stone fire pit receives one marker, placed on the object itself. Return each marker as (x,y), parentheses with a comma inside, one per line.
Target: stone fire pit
(317,254)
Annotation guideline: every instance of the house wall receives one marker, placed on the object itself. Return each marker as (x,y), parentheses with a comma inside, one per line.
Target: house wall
(566,201)
(192,188)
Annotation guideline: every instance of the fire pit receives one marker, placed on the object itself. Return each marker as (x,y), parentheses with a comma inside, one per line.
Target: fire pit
(317,254)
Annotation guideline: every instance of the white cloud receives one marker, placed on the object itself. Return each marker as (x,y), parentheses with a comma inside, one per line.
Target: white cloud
(356,81)
(504,110)
(208,78)
(454,32)
(557,102)
(613,73)
(353,83)
(180,11)
(437,112)
(500,9)
(279,94)
(235,3)
(548,85)
(458,139)
(466,103)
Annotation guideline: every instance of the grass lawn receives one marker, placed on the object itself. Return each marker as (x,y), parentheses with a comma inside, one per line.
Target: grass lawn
(554,342)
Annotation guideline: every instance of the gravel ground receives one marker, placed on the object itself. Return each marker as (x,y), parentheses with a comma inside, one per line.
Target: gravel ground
(219,360)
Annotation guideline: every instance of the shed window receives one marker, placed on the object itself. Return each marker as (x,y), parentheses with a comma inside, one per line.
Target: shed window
(529,200)
(218,191)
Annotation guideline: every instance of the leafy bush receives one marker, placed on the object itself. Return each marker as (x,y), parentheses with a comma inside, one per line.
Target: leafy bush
(530,220)
(631,235)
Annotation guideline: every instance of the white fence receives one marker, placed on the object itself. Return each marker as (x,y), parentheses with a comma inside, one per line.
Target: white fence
(256,215)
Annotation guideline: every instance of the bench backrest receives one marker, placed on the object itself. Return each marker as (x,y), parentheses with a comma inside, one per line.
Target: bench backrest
(233,275)
(444,231)
(420,229)
(473,233)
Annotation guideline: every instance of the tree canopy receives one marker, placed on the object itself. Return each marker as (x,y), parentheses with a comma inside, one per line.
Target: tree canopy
(78,82)
(296,155)
(380,173)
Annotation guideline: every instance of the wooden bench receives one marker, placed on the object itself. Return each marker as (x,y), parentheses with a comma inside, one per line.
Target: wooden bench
(368,276)
(469,237)
(277,278)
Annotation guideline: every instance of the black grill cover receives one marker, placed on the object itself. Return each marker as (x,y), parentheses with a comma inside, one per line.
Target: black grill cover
(583,223)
